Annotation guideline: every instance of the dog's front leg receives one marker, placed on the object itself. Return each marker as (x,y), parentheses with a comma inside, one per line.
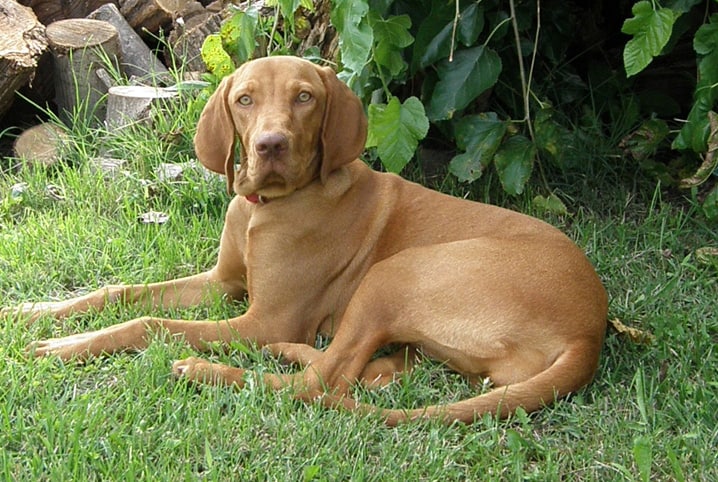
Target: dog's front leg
(197,370)
(136,335)
(177,293)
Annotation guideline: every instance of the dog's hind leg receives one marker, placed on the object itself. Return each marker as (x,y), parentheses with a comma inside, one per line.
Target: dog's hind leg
(378,372)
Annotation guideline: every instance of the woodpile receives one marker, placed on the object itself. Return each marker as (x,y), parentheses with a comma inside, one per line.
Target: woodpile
(58,47)
(21,44)
(48,11)
(137,59)
(67,55)
(81,48)
(42,144)
(153,15)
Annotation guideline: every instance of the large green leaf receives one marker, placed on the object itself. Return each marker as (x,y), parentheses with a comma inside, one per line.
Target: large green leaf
(710,204)
(694,133)
(706,39)
(710,161)
(681,6)
(480,136)
(391,36)
(551,204)
(356,37)
(288,7)
(651,29)
(643,143)
(470,25)
(472,72)
(440,14)
(514,163)
(395,129)
(238,34)
(551,137)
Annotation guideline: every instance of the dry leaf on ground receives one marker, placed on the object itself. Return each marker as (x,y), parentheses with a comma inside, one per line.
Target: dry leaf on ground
(635,335)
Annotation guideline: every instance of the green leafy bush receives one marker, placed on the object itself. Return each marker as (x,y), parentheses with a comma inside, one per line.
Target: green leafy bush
(511,85)
(652,27)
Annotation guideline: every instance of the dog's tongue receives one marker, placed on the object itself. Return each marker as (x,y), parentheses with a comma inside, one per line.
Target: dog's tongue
(253,198)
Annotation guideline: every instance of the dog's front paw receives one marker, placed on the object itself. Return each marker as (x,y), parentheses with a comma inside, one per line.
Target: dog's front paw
(29,312)
(189,368)
(66,348)
(201,371)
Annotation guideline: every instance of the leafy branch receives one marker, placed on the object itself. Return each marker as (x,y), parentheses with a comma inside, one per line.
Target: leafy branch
(463,70)
(651,28)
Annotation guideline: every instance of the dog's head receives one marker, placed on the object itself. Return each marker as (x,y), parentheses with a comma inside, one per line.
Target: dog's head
(295,121)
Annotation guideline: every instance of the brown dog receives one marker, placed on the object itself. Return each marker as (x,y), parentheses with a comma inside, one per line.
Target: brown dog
(323,244)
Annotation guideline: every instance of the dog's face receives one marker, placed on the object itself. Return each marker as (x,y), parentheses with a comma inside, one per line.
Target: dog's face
(277,111)
(295,122)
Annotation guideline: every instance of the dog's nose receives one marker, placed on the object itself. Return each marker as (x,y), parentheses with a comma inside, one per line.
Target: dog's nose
(271,145)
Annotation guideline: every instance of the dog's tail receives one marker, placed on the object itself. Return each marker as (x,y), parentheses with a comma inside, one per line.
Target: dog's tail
(571,370)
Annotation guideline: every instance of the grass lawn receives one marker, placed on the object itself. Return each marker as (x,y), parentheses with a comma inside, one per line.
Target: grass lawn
(651,413)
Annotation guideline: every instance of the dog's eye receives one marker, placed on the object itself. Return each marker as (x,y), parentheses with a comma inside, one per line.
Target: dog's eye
(304,97)
(245,100)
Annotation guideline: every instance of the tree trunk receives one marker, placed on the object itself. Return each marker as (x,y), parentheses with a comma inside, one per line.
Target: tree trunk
(49,11)
(42,144)
(21,43)
(153,15)
(137,59)
(187,39)
(81,49)
(130,104)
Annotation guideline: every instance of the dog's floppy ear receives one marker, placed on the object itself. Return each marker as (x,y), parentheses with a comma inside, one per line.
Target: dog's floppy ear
(215,138)
(344,128)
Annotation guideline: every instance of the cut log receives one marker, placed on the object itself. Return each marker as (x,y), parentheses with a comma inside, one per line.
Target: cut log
(137,59)
(80,48)
(42,144)
(49,11)
(187,38)
(22,42)
(153,15)
(134,103)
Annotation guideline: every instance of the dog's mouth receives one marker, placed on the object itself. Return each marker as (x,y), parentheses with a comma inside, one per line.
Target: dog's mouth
(262,179)
(272,186)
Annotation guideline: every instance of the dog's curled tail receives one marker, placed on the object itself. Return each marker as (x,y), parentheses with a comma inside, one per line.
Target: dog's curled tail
(572,370)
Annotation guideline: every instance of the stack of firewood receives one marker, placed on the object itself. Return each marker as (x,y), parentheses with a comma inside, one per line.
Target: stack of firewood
(65,54)
(43,41)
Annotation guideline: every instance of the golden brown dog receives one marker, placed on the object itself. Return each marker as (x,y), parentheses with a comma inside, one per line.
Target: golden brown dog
(323,244)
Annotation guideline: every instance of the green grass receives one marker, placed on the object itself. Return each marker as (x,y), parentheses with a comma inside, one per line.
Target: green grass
(651,413)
